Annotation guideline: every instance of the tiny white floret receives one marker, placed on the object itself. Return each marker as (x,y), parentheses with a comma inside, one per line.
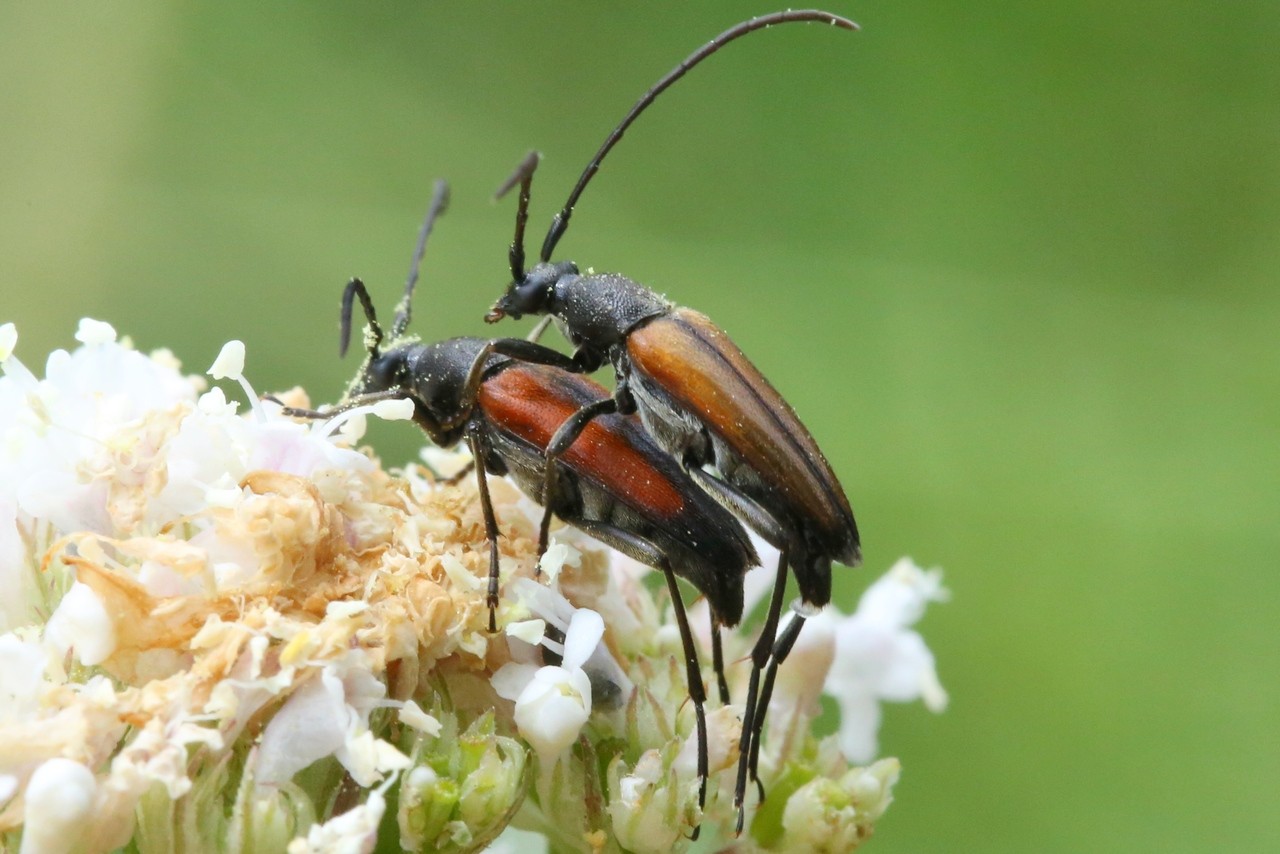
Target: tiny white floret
(529,631)
(394,410)
(8,340)
(230,362)
(413,715)
(557,557)
(81,623)
(551,710)
(93,331)
(59,797)
(8,787)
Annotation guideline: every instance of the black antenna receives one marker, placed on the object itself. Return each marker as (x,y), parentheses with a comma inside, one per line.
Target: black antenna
(524,177)
(561,221)
(439,203)
(355,288)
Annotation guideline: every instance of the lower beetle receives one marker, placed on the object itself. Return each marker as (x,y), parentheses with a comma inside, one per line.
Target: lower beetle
(614,483)
(701,399)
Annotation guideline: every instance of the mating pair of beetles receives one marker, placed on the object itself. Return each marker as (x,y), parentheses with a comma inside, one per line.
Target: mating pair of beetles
(714,446)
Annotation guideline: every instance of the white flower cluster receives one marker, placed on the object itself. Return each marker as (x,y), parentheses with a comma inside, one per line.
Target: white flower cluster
(102,461)
(201,608)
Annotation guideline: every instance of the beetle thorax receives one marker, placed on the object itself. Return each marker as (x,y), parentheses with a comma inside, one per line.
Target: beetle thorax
(598,310)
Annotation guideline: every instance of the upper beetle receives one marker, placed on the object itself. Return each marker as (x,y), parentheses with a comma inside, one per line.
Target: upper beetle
(700,398)
(615,483)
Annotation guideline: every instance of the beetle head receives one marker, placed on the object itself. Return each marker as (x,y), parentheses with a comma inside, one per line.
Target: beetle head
(533,294)
(383,371)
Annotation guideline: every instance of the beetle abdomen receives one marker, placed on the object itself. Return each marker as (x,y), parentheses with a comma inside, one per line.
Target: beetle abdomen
(622,478)
(687,359)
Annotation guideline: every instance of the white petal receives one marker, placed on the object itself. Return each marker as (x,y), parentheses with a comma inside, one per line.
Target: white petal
(59,797)
(586,628)
(724,731)
(22,667)
(513,840)
(899,597)
(214,402)
(310,725)
(8,340)
(93,331)
(529,631)
(8,788)
(552,708)
(411,714)
(80,622)
(512,678)
(17,586)
(353,832)
(230,362)
(389,757)
(394,410)
(557,556)
(910,668)
(462,578)
(359,755)
(542,601)
(859,724)
(800,679)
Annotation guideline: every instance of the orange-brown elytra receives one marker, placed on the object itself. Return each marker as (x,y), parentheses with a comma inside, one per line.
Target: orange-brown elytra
(702,400)
(508,398)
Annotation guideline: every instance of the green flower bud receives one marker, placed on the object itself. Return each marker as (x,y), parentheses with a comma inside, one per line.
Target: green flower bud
(651,807)
(462,790)
(826,815)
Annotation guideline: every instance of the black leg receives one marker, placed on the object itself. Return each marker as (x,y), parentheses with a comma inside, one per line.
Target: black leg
(780,652)
(551,474)
(717,662)
(647,553)
(564,437)
(516,348)
(754,714)
(540,354)
(697,691)
(475,438)
(456,478)
(744,749)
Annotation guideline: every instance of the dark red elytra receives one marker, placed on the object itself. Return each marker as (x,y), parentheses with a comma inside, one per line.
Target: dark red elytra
(531,402)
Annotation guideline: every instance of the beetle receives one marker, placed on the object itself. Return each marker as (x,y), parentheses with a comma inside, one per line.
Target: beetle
(701,399)
(506,398)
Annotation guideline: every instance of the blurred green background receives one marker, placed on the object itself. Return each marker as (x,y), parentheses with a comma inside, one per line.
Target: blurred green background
(1014,265)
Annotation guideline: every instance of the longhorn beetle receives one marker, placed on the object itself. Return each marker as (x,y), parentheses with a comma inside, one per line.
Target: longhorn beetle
(615,483)
(701,400)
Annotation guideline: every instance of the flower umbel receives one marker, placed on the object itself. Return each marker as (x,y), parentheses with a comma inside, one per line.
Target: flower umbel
(239,631)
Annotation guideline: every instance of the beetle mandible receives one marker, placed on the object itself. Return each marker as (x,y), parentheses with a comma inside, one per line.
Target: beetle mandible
(701,399)
(615,483)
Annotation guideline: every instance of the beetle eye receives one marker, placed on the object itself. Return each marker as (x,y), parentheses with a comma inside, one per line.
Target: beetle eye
(383,373)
